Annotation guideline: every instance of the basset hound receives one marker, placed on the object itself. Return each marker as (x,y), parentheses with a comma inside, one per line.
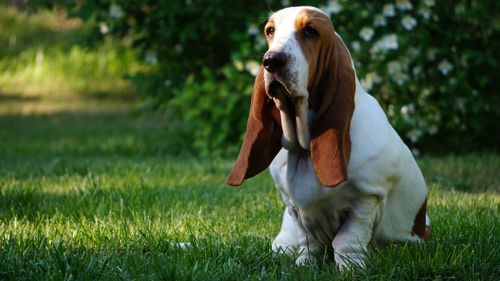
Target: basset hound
(345,175)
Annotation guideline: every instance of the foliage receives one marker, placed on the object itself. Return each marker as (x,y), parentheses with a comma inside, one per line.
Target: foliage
(431,64)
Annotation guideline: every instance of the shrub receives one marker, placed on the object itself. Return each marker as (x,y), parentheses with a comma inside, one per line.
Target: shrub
(431,64)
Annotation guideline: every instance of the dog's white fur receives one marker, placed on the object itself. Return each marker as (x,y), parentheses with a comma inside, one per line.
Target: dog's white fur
(385,189)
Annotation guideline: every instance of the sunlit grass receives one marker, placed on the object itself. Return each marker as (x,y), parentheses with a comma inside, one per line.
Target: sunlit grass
(44,54)
(49,70)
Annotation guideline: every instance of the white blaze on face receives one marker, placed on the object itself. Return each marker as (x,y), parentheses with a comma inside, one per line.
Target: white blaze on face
(285,41)
(294,77)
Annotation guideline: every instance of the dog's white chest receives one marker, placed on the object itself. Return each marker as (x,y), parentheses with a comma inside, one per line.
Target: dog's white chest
(318,209)
(296,180)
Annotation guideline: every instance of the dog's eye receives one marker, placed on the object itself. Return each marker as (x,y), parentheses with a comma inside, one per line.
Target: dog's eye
(310,32)
(270,32)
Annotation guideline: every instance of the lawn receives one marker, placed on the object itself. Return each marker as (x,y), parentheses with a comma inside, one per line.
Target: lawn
(90,190)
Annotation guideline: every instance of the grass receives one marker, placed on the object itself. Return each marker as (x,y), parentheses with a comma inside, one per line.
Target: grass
(91,191)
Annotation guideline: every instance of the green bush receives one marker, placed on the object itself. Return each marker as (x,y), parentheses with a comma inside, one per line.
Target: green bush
(431,64)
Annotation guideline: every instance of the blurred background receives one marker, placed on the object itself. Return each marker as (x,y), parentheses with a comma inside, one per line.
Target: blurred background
(174,77)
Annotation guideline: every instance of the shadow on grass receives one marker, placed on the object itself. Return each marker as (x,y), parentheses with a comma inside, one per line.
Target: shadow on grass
(33,203)
(116,131)
(14,97)
(472,173)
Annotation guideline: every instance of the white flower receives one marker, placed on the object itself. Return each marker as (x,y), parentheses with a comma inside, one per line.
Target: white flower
(376,78)
(151,58)
(369,80)
(425,92)
(429,3)
(252,30)
(445,67)
(393,67)
(388,42)
(285,3)
(367,84)
(366,33)
(425,12)
(404,5)
(332,7)
(103,27)
(408,109)
(356,46)
(389,10)
(167,83)
(390,110)
(404,110)
(408,22)
(379,20)
(116,11)
(400,78)
(252,67)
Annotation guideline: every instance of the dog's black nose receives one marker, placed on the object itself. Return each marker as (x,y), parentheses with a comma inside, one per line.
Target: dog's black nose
(274,61)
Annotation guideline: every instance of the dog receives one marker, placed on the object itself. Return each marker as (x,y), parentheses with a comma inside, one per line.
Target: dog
(345,175)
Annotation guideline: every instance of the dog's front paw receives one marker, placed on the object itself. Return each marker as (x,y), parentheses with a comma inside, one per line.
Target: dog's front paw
(305,260)
(349,261)
(283,249)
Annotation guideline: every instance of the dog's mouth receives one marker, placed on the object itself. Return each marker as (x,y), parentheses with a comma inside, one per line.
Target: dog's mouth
(293,115)
(278,90)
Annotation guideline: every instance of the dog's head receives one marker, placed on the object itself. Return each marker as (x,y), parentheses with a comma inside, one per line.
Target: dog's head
(303,97)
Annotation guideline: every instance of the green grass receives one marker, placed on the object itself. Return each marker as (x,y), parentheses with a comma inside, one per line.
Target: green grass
(104,200)
(91,191)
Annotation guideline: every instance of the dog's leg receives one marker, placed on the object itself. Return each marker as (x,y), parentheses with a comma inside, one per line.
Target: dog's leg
(351,242)
(293,239)
(287,241)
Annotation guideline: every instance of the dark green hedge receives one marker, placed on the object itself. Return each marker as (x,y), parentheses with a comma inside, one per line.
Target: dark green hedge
(431,64)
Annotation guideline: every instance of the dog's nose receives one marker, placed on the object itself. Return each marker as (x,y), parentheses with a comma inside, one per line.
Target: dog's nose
(274,61)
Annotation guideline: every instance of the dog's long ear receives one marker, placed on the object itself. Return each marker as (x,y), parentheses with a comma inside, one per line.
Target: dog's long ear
(330,141)
(262,138)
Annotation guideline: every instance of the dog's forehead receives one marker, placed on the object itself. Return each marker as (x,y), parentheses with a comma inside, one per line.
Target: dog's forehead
(288,16)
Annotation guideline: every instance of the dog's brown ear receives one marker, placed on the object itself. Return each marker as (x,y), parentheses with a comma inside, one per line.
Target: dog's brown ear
(262,138)
(330,142)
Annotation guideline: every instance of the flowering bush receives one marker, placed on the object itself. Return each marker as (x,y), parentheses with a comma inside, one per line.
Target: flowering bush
(431,64)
